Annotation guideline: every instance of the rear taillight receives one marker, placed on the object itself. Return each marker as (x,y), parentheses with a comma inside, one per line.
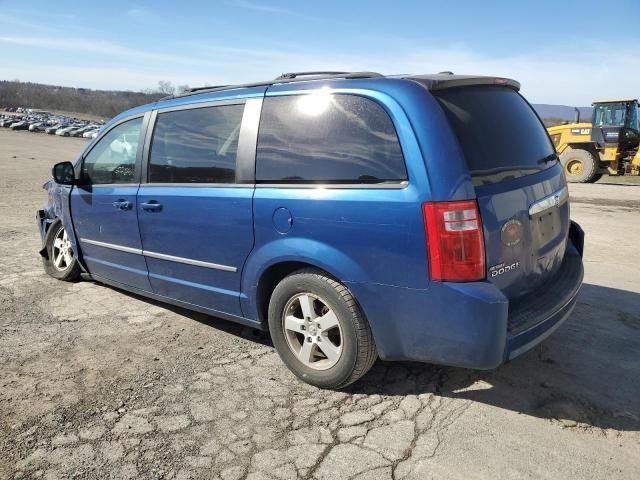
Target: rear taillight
(454,241)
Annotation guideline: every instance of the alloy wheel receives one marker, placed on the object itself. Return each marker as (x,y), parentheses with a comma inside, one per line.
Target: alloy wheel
(62,251)
(312,331)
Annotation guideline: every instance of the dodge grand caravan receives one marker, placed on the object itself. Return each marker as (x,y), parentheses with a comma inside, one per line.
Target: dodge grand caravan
(352,215)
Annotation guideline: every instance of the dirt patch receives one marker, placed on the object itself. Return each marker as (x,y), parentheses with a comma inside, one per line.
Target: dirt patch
(627,204)
(98,383)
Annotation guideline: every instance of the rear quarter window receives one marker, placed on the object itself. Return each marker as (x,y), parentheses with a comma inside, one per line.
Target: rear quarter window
(500,134)
(324,138)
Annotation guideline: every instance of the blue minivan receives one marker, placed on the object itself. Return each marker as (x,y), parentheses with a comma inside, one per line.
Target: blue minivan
(352,215)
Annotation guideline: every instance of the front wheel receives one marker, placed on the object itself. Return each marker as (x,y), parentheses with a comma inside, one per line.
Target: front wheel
(319,331)
(580,166)
(62,262)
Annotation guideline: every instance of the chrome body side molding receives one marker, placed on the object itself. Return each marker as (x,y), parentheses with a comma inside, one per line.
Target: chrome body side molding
(112,246)
(160,256)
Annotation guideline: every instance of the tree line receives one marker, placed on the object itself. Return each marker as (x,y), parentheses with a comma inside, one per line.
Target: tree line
(102,103)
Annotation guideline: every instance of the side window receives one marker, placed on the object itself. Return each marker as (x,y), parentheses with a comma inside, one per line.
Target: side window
(113,158)
(196,146)
(323,138)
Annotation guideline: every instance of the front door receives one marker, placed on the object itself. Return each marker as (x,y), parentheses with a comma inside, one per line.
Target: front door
(195,211)
(103,207)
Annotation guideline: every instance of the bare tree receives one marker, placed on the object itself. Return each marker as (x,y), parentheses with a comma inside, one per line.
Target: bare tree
(166,88)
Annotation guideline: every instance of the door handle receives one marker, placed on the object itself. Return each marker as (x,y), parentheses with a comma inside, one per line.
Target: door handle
(122,204)
(151,206)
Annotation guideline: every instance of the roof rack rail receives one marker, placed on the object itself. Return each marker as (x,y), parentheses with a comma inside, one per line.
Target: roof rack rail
(292,75)
(189,91)
(206,87)
(328,74)
(284,78)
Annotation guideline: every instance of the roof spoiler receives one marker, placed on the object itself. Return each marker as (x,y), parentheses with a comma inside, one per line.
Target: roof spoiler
(444,81)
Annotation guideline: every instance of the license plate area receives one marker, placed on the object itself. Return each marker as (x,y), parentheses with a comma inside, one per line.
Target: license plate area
(547,218)
(546,226)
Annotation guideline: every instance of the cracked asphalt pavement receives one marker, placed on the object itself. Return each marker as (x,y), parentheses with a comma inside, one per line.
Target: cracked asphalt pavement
(98,383)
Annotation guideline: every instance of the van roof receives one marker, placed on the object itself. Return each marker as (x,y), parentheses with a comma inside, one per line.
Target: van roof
(432,82)
(437,81)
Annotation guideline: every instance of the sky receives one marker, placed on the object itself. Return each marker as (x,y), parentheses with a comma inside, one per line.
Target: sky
(563,52)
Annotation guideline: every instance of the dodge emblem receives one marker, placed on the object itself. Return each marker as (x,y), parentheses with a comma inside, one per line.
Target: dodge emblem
(511,232)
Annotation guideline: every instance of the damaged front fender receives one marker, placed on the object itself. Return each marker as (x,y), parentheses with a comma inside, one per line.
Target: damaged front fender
(57,207)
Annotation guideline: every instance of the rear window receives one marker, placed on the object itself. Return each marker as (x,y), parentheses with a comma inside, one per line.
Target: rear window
(324,138)
(499,133)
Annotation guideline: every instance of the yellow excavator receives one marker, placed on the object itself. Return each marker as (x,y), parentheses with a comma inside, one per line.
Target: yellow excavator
(607,145)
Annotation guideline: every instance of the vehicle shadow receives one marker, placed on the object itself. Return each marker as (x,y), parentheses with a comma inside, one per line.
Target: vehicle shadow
(618,184)
(221,324)
(584,376)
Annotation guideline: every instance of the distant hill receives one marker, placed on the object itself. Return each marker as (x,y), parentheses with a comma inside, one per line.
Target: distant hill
(562,112)
(105,103)
(102,103)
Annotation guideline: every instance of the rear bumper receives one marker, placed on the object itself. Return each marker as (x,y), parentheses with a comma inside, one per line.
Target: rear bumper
(535,316)
(470,325)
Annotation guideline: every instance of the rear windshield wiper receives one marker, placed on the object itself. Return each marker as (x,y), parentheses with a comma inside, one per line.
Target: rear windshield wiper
(548,158)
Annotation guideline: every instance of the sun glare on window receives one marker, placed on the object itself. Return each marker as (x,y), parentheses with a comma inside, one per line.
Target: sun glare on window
(315,103)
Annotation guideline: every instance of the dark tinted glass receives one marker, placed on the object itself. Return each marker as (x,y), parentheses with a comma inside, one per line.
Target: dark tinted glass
(498,131)
(196,146)
(327,139)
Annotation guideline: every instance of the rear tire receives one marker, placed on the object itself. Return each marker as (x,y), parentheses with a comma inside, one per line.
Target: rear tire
(62,261)
(319,331)
(580,166)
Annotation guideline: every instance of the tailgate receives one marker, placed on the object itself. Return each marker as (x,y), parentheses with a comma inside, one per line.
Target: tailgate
(526,227)
(520,187)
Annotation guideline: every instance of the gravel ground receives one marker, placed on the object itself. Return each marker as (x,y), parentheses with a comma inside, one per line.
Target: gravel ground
(98,383)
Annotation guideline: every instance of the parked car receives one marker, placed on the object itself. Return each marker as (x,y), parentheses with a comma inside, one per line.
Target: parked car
(415,217)
(10,121)
(81,131)
(21,125)
(53,129)
(73,132)
(66,131)
(91,133)
(38,121)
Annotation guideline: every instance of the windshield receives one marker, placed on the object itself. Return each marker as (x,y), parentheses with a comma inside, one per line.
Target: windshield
(611,115)
(500,134)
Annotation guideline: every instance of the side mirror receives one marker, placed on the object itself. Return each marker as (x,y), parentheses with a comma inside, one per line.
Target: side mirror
(63,173)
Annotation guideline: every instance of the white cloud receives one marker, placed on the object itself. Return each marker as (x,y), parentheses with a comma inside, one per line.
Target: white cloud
(96,77)
(547,75)
(139,13)
(262,7)
(92,46)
